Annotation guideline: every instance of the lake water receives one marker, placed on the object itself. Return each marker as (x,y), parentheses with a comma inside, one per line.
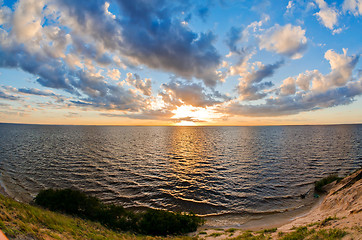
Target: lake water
(207,170)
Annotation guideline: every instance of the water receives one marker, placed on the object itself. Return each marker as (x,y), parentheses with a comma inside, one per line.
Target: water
(207,170)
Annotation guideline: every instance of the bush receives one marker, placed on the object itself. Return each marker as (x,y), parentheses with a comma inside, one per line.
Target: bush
(152,222)
(318,186)
(157,222)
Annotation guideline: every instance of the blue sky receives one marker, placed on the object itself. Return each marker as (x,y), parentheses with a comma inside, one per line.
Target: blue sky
(180,62)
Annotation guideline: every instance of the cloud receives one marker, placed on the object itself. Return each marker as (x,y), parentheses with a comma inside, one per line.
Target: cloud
(353,6)
(326,15)
(34,91)
(287,40)
(72,115)
(114,74)
(232,38)
(309,91)
(142,85)
(149,33)
(178,93)
(7,96)
(26,21)
(288,87)
(295,104)
(250,86)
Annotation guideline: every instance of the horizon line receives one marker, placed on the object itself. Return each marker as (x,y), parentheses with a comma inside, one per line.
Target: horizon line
(140,125)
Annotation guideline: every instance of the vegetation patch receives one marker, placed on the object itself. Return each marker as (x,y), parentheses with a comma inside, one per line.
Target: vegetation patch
(270,230)
(313,234)
(325,221)
(318,186)
(150,222)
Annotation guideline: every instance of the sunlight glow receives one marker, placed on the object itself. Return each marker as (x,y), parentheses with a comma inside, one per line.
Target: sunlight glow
(185,123)
(188,115)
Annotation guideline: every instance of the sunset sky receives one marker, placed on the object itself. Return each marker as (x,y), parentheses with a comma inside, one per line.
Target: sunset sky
(150,62)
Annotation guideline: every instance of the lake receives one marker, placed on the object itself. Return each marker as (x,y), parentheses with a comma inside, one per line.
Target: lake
(206,170)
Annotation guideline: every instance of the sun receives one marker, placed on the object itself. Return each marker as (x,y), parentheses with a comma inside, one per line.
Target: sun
(185,123)
(187,115)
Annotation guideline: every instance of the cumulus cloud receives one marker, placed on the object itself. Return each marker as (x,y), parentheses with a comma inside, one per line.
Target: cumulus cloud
(309,91)
(178,93)
(27,20)
(143,85)
(353,6)
(287,40)
(327,16)
(288,87)
(250,86)
(114,74)
(295,104)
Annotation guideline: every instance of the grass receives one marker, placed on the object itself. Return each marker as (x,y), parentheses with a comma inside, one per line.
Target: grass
(318,186)
(270,230)
(313,234)
(149,222)
(326,220)
(248,235)
(24,221)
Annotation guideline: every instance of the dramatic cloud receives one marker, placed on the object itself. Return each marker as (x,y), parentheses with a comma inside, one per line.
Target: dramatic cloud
(148,33)
(117,57)
(287,40)
(326,15)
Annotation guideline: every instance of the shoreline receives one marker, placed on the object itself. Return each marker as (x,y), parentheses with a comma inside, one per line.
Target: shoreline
(247,221)
(342,206)
(340,210)
(260,221)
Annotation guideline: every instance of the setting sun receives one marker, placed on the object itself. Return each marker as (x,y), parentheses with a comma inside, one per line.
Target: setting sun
(187,115)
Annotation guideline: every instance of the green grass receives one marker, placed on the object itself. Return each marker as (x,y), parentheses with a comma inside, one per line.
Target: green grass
(318,186)
(24,221)
(149,222)
(313,234)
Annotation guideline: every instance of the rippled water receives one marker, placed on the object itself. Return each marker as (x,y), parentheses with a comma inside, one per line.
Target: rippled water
(207,170)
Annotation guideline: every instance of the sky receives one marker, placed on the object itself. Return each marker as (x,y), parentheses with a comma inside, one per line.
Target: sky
(159,62)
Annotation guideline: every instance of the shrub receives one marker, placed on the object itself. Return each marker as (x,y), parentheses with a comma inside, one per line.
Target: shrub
(157,222)
(318,186)
(152,222)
